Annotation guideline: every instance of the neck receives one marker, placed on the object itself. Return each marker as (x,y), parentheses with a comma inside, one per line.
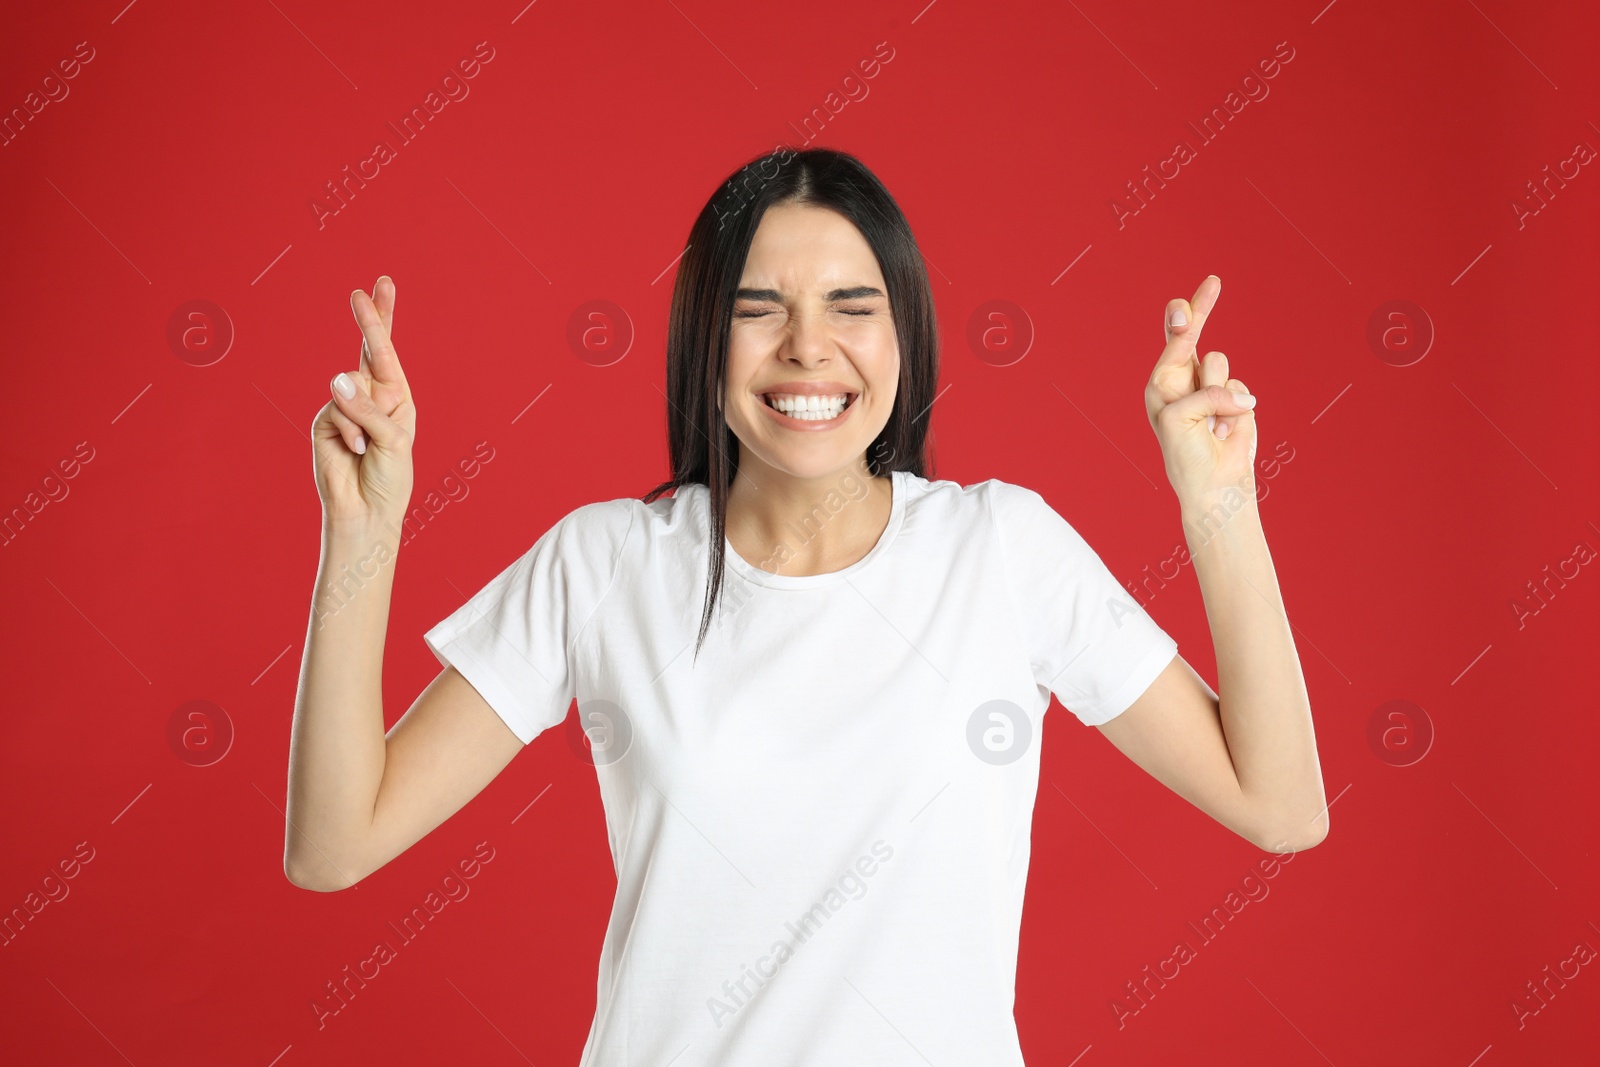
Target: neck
(802,526)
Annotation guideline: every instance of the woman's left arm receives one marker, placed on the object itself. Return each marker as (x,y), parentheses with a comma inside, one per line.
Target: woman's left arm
(1249,756)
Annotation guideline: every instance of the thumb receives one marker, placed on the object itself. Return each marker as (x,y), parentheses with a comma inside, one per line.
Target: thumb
(1209,402)
(352,393)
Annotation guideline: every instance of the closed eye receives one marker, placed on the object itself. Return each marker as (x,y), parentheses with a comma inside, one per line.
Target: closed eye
(758,314)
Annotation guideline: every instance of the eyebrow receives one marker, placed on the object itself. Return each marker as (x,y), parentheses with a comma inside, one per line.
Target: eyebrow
(854,293)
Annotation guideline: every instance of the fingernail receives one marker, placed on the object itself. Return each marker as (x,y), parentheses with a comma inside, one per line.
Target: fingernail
(344,385)
(1211,422)
(1222,433)
(1178,318)
(1244,400)
(361,443)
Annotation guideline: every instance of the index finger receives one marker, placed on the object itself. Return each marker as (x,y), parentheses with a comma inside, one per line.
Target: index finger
(383,298)
(1183,340)
(382,361)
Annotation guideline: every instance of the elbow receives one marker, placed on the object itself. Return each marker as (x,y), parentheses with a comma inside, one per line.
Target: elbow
(1293,837)
(323,880)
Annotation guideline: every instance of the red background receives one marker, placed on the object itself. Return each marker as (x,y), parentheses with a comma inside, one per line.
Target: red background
(1419,502)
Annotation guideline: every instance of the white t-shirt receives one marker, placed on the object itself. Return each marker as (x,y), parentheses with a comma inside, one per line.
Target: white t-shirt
(821,828)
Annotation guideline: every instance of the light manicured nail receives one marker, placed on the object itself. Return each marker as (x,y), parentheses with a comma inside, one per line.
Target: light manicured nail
(1245,400)
(1178,318)
(345,386)
(361,443)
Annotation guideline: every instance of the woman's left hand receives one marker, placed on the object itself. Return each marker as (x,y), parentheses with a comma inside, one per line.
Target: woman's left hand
(1202,417)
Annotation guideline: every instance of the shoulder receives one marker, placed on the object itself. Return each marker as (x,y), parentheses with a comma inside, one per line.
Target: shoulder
(1026,523)
(598,530)
(975,508)
(1005,504)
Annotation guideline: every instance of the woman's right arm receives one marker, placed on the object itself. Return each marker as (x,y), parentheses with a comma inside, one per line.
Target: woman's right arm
(357,797)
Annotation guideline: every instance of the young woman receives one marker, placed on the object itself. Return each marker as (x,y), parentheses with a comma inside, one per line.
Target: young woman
(815,678)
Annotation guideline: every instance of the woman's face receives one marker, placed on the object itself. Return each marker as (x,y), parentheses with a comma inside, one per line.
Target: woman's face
(812,319)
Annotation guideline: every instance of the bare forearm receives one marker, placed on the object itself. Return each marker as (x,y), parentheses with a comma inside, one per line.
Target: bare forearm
(1265,710)
(336,748)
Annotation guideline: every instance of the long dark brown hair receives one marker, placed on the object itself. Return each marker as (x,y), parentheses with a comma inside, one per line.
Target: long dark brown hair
(704,450)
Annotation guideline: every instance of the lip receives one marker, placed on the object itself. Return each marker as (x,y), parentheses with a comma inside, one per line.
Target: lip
(789,422)
(809,388)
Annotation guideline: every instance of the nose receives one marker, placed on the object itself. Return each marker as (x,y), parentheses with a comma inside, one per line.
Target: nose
(808,342)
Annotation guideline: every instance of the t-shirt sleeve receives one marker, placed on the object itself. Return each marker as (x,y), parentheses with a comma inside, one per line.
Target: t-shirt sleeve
(1089,642)
(513,639)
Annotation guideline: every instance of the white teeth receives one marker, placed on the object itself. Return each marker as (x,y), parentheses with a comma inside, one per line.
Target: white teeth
(808,408)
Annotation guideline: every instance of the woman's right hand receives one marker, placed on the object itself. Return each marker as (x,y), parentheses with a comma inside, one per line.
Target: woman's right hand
(361,444)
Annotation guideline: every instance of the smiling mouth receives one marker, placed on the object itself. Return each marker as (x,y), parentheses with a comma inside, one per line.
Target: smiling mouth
(809,408)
